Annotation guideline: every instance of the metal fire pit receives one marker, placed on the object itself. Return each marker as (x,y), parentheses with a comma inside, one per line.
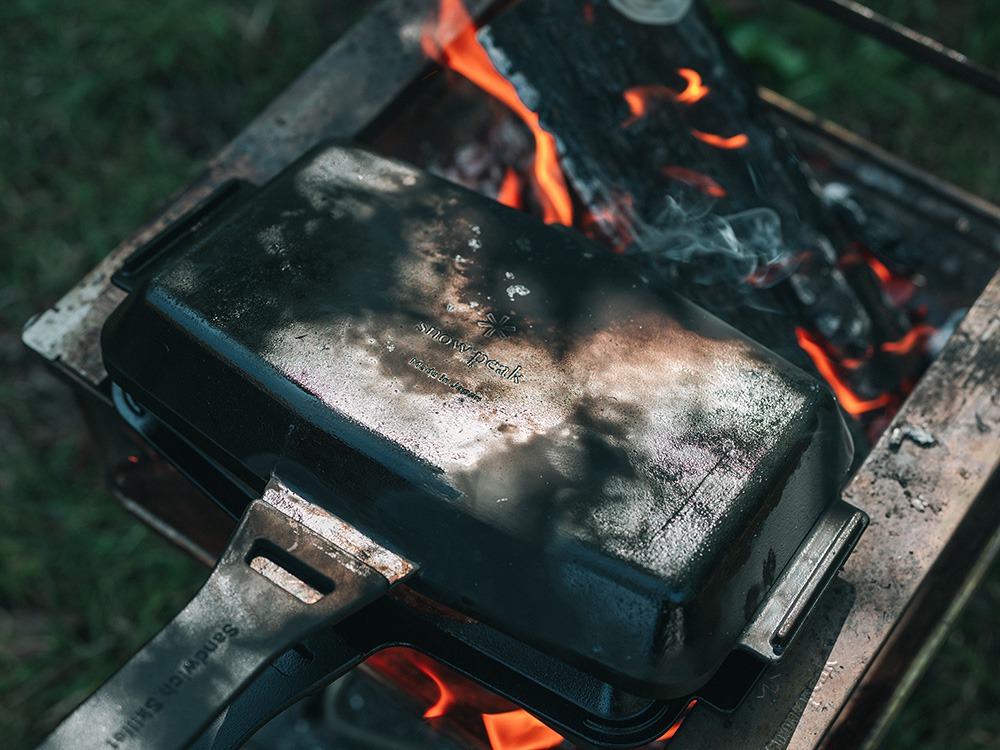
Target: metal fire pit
(932,503)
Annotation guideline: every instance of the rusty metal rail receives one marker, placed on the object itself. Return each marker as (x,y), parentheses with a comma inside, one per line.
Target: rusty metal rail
(912,43)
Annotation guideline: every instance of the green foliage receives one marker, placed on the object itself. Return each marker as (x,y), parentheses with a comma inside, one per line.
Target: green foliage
(911,110)
(106,108)
(81,584)
(103,587)
(109,106)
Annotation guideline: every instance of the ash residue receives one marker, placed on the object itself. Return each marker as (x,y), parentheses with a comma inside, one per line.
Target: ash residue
(914,433)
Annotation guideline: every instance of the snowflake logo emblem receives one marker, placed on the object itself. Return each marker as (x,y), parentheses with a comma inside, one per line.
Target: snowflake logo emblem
(501,328)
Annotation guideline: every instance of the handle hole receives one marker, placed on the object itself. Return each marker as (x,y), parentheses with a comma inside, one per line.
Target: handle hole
(287,571)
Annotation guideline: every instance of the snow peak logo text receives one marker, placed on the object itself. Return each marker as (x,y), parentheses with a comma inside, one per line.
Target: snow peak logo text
(477,357)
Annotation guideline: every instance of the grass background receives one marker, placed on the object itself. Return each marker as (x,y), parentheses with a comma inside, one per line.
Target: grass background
(106,107)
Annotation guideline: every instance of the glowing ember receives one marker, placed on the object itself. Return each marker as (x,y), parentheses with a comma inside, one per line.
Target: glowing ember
(510,189)
(884,274)
(639,98)
(614,223)
(899,289)
(467,57)
(915,340)
(853,405)
(734,142)
(695,89)
(769,274)
(695,179)
(519,730)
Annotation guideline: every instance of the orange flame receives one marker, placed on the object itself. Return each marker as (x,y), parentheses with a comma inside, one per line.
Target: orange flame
(445,699)
(852,404)
(510,189)
(702,182)
(471,707)
(467,57)
(669,734)
(737,141)
(519,730)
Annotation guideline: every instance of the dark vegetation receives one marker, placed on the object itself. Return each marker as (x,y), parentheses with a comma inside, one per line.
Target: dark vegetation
(109,106)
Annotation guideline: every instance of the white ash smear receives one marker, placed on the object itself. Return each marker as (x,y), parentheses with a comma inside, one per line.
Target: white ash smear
(272,239)
(508,275)
(338,167)
(519,290)
(917,433)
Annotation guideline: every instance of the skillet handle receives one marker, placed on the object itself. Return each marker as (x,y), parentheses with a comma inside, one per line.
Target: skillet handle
(252,608)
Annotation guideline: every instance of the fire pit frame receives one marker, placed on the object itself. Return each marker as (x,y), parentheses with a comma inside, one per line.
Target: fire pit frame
(935,519)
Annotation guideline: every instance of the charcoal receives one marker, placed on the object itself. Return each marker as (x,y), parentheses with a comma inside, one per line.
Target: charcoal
(739,229)
(879,233)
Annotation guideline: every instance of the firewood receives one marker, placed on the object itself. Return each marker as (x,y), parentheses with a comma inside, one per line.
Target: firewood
(663,140)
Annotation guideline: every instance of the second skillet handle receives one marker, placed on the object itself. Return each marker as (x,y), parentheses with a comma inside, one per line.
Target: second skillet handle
(254,606)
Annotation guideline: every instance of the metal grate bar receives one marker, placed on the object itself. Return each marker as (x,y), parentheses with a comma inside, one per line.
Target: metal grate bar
(917,46)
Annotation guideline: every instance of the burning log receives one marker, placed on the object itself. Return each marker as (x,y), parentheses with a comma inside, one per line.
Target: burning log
(726,214)
(661,137)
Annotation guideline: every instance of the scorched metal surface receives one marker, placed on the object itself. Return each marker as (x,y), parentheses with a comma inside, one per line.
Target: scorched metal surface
(576,457)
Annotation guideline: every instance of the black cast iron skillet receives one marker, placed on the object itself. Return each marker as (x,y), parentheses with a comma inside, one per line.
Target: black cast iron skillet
(569,454)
